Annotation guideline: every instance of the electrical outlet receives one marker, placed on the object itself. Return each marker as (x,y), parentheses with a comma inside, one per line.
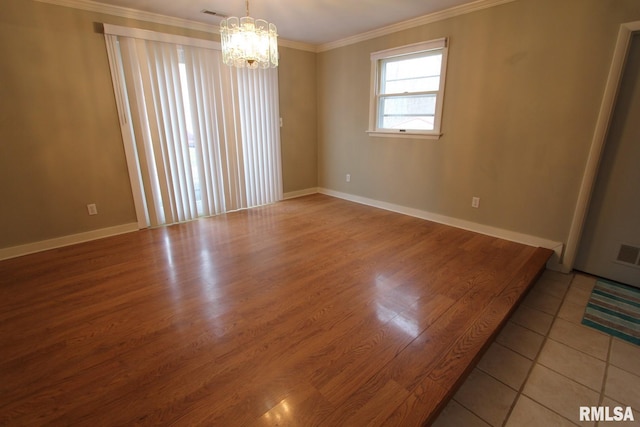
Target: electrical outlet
(348,177)
(92,209)
(475,202)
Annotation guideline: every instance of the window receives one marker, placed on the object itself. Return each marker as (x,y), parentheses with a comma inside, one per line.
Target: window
(407,90)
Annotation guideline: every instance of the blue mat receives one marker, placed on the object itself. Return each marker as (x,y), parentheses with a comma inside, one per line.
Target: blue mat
(614,308)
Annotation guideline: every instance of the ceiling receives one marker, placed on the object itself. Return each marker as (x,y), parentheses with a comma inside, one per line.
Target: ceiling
(314,22)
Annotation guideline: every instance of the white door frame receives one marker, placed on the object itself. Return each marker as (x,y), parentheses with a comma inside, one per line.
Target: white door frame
(598,142)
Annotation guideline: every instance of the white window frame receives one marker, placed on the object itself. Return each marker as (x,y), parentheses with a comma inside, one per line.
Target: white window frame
(377,59)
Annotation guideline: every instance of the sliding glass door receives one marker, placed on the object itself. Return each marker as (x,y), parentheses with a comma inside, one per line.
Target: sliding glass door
(201,138)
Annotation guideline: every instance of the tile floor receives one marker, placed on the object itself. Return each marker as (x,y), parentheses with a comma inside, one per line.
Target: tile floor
(545,364)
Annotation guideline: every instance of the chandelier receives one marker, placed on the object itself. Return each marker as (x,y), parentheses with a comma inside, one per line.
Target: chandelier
(248,42)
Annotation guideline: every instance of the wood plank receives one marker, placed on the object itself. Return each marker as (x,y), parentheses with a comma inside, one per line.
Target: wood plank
(312,311)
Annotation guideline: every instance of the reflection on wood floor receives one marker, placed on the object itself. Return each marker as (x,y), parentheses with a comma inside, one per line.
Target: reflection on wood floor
(312,311)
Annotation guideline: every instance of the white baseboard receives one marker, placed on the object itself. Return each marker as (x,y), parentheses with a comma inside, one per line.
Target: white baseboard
(29,248)
(513,236)
(299,193)
(526,239)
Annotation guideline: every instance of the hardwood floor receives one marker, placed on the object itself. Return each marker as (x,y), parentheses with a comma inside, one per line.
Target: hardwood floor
(312,311)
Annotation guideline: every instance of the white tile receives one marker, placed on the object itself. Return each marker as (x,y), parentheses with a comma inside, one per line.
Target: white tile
(625,356)
(505,365)
(626,423)
(557,276)
(573,364)
(455,414)
(578,296)
(520,340)
(572,312)
(581,338)
(533,319)
(542,301)
(623,387)
(486,397)
(559,393)
(528,413)
(553,287)
(583,282)
(570,369)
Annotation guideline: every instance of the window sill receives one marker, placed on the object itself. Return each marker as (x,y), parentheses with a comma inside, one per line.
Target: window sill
(398,134)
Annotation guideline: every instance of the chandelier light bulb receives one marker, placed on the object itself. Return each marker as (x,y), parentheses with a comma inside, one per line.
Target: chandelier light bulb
(248,42)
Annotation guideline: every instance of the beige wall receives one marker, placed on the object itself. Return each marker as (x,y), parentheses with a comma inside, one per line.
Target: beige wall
(523,90)
(60,142)
(524,85)
(298,109)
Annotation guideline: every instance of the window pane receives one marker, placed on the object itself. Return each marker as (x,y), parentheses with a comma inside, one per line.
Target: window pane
(409,105)
(408,112)
(184,85)
(408,123)
(415,74)
(423,84)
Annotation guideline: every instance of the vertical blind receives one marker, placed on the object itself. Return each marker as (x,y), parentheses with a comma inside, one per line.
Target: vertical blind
(201,138)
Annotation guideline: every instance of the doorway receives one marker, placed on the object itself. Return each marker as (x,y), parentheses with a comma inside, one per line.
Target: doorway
(610,243)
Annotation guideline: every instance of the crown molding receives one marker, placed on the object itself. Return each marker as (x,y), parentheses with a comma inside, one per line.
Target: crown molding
(124,12)
(412,23)
(297,45)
